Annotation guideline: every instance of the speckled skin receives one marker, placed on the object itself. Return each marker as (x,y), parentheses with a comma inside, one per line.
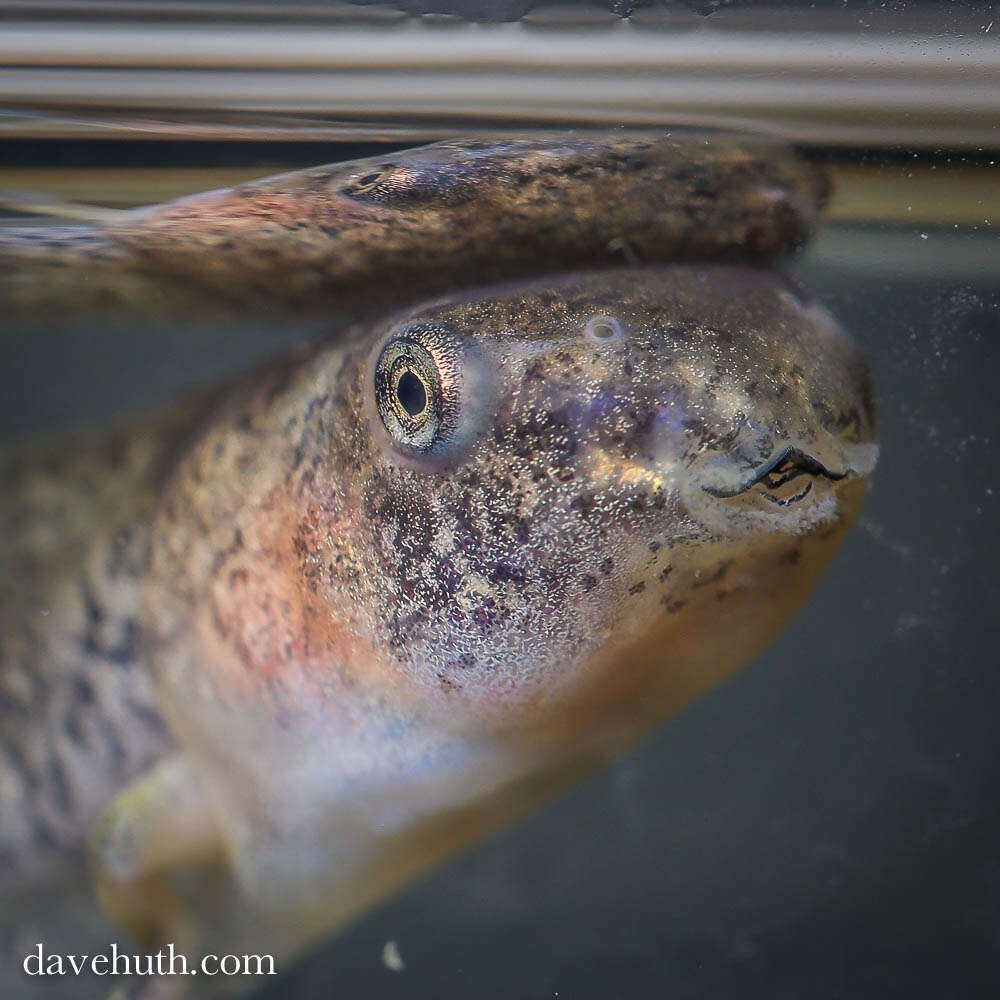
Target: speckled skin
(394,229)
(78,714)
(366,655)
(275,635)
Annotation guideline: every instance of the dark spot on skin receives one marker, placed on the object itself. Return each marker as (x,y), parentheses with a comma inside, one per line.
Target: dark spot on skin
(60,787)
(74,729)
(43,835)
(637,588)
(637,504)
(84,690)
(316,402)
(11,704)
(718,575)
(308,478)
(234,546)
(607,565)
(584,503)
(588,582)
(219,623)
(91,608)
(655,546)
(123,653)
(665,572)
(503,573)
(485,616)
(116,752)
(149,717)
(17,760)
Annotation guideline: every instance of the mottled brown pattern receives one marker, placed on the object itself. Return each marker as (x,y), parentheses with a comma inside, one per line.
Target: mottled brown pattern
(614,526)
(399,228)
(78,715)
(570,450)
(376,628)
(351,639)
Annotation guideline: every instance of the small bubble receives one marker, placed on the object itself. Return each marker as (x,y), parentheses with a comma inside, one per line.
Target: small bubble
(391,957)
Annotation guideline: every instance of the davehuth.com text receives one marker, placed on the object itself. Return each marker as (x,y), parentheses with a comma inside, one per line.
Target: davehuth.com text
(165,962)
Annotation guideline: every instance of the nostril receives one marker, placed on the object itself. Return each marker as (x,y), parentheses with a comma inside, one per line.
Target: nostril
(604,329)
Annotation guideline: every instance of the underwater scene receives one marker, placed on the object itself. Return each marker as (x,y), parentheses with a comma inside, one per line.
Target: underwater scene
(498,500)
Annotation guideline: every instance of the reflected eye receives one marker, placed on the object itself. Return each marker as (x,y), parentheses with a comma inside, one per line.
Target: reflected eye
(368,181)
(418,388)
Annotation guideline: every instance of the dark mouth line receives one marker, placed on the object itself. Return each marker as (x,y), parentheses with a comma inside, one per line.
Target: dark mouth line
(795,498)
(786,465)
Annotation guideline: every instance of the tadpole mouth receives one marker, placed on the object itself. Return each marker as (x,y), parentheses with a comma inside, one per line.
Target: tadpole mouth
(785,478)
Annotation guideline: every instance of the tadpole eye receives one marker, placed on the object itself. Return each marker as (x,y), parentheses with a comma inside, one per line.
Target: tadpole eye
(418,385)
(411,393)
(368,181)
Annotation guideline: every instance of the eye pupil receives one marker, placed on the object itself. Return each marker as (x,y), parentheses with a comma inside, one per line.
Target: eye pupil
(417,388)
(411,394)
